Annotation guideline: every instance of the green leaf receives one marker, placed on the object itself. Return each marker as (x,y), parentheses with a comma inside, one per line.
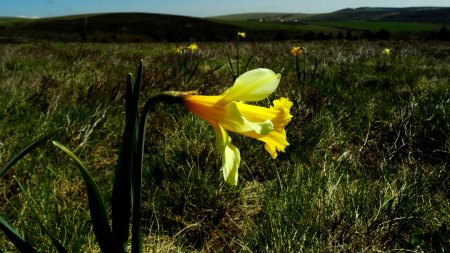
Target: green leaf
(14,237)
(26,150)
(122,189)
(97,209)
(129,92)
(230,65)
(30,203)
(136,243)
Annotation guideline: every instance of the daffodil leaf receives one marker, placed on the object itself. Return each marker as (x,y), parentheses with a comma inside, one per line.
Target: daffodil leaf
(97,208)
(122,189)
(14,237)
(26,150)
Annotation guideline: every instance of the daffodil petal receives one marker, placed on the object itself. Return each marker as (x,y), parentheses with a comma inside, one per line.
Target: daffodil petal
(271,149)
(253,85)
(233,120)
(275,141)
(231,157)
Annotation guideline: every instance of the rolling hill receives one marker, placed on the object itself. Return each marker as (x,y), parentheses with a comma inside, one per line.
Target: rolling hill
(436,15)
(118,27)
(139,27)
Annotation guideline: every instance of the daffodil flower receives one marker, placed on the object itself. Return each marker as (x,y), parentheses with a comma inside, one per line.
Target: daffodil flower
(228,112)
(387,51)
(296,51)
(241,34)
(193,47)
(178,50)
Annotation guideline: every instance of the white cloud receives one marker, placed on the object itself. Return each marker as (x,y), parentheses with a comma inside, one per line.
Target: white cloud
(24,16)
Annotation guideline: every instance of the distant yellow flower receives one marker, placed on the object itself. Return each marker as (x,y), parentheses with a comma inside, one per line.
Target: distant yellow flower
(193,47)
(296,51)
(387,51)
(228,112)
(178,50)
(241,34)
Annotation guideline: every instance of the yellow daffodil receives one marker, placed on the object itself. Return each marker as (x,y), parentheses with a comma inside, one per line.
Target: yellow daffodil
(178,50)
(227,112)
(387,51)
(193,47)
(296,51)
(241,34)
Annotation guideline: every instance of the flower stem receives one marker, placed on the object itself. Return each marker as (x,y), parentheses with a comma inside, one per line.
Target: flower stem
(237,57)
(170,97)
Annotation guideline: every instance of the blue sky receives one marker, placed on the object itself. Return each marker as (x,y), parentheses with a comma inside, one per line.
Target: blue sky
(198,8)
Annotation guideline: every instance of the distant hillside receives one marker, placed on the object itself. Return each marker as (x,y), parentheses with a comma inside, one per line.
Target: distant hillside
(413,14)
(364,22)
(367,23)
(118,27)
(9,19)
(440,15)
(259,16)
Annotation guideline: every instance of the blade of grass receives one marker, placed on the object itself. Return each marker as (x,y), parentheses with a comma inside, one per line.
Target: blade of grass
(59,247)
(97,209)
(248,62)
(191,75)
(217,68)
(27,150)
(230,69)
(313,75)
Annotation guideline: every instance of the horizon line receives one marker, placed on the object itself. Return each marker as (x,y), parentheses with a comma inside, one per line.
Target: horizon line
(230,14)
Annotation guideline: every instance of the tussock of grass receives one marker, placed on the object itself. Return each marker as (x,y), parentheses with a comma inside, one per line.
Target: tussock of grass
(366,169)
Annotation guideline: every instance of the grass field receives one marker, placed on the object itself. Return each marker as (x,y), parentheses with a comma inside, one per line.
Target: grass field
(279,26)
(366,169)
(336,26)
(375,26)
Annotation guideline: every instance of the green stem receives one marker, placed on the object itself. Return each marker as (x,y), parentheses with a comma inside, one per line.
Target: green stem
(304,66)
(237,57)
(185,64)
(170,97)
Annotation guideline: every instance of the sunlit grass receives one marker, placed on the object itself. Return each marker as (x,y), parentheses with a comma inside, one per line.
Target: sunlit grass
(366,169)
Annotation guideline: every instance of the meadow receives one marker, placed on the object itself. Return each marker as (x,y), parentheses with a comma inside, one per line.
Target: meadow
(377,26)
(367,168)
